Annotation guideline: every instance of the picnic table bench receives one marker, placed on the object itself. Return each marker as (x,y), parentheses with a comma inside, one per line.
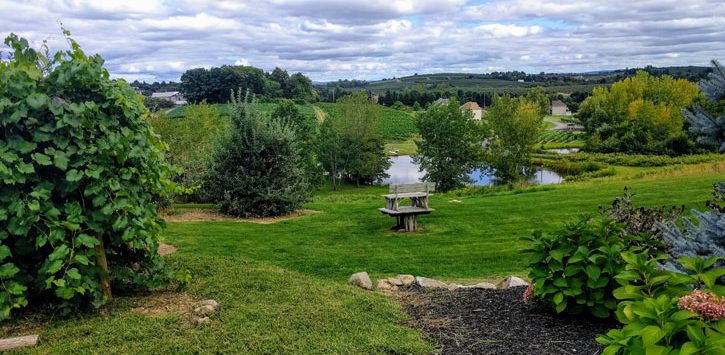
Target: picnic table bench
(407,216)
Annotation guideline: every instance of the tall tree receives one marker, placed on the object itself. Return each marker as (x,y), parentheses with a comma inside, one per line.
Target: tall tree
(512,128)
(331,152)
(299,87)
(538,96)
(708,125)
(450,147)
(307,130)
(357,121)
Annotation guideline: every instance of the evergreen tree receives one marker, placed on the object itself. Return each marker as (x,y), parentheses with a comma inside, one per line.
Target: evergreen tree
(709,127)
(260,171)
(704,239)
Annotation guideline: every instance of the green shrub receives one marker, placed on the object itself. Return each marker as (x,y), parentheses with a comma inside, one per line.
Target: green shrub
(572,270)
(193,140)
(80,168)
(653,318)
(259,171)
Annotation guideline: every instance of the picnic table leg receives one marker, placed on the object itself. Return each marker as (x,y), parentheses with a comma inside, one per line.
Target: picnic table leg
(411,223)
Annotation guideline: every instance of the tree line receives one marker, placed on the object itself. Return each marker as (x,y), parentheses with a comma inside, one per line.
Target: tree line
(215,85)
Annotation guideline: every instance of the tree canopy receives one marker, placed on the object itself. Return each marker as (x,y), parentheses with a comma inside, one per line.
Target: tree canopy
(352,146)
(216,85)
(450,146)
(638,114)
(512,127)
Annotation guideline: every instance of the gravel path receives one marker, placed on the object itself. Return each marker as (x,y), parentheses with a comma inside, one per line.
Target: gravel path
(475,321)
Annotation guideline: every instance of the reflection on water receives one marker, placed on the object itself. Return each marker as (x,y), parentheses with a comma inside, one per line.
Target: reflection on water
(404,171)
(564,150)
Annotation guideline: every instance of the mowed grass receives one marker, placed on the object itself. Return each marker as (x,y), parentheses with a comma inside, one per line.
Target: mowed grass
(264,310)
(476,239)
(405,147)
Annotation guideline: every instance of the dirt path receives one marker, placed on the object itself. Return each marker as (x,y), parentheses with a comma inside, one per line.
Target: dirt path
(208,214)
(319,113)
(561,126)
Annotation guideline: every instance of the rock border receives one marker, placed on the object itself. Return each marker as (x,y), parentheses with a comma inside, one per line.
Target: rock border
(362,280)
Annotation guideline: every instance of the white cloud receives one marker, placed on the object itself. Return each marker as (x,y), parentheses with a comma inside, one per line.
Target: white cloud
(371,39)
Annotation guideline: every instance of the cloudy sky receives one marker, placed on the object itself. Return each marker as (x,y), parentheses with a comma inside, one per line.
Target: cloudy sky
(372,39)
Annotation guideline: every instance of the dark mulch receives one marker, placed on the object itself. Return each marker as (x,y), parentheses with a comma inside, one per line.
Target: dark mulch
(474,321)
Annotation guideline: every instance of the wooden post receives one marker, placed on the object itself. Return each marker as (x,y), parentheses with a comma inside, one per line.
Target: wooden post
(102,262)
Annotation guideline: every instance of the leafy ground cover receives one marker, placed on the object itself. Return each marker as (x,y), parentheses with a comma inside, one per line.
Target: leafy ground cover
(282,286)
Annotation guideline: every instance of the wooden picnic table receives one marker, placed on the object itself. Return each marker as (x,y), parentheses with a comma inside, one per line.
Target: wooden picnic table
(407,216)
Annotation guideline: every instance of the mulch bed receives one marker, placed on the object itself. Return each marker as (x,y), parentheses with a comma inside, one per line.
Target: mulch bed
(482,321)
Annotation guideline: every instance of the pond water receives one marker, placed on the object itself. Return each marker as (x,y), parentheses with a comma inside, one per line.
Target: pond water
(404,171)
(564,150)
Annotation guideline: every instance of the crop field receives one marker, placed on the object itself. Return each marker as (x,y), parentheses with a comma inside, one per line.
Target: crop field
(394,125)
(551,136)
(306,109)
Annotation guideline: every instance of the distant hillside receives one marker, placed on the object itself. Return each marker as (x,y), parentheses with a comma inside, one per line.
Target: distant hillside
(512,82)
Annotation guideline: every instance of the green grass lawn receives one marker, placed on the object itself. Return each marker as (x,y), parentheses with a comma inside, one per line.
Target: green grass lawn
(405,147)
(282,286)
(479,238)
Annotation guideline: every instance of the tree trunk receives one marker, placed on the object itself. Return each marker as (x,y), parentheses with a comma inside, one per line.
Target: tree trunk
(102,262)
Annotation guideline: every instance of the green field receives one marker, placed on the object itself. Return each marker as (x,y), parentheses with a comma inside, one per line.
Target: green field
(394,124)
(283,288)
(305,109)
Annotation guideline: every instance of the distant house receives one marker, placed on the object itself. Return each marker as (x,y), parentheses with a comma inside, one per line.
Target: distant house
(173,96)
(559,108)
(441,101)
(474,108)
(375,98)
(520,80)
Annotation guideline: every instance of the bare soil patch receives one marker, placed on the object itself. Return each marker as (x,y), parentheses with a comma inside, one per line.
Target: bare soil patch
(162,303)
(489,321)
(166,249)
(213,215)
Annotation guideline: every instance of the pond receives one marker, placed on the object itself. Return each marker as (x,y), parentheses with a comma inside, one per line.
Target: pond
(404,171)
(564,150)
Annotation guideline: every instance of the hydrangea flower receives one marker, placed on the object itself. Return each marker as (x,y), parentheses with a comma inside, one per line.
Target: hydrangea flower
(706,304)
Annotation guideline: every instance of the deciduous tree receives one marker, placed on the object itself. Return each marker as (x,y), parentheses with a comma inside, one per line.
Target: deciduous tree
(512,128)
(450,146)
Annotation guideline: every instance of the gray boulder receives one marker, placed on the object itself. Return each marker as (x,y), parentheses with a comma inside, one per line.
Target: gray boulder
(511,281)
(429,283)
(362,280)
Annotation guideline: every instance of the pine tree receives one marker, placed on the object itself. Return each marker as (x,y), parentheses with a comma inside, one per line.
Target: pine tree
(260,171)
(704,239)
(710,130)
